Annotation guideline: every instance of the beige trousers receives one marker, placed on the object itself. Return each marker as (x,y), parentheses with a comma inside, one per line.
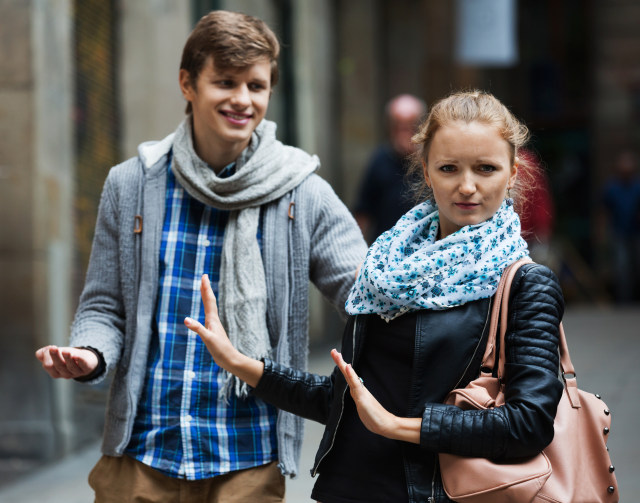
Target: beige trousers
(126,480)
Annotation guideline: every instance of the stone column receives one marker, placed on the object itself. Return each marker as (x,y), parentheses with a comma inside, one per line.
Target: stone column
(36,190)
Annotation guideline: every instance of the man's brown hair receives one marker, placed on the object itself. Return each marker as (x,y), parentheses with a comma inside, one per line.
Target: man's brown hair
(234,40)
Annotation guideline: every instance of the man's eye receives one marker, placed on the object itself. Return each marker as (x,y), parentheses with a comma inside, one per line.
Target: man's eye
(256,87)
(487,168)
(448,168)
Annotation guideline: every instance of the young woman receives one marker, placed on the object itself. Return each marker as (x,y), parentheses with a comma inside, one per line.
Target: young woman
(419,317)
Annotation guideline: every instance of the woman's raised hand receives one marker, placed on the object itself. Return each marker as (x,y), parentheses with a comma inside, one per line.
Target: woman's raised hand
(215,338)
(212,333)
(373,415)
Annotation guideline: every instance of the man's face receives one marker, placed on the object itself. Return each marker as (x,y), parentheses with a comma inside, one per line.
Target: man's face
(402,128)
(228,104)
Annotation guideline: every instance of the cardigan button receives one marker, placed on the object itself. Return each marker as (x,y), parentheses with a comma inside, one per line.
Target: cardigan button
(606,431)
(607,412)
(598,396)
(611,468)
(610,489)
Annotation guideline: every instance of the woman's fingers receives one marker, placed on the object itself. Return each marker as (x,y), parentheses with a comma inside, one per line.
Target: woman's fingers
(195,326)
(209,301)
(349,374)
(212,332)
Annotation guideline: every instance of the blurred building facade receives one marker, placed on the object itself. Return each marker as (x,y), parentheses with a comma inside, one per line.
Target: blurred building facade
(82,82)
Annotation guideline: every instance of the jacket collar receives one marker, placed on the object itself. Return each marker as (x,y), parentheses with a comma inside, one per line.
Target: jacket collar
(150,152)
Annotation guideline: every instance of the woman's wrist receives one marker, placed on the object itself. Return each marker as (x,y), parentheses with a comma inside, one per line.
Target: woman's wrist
(405,429)
(245,368)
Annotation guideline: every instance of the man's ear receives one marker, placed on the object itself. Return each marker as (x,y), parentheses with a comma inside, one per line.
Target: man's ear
(186,85)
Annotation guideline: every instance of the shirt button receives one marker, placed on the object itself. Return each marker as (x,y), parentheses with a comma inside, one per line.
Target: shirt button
(188,418)
(191,374)
(206,242)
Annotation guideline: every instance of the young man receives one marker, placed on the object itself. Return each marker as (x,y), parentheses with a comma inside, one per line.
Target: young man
(221,196)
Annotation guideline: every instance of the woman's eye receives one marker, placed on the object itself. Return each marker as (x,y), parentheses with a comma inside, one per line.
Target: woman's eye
(225,83)
(448,168)
(256,87)
(487,168)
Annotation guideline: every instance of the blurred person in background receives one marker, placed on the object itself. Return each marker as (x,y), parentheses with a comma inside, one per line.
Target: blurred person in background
(537,211)
(621,204)
(220,196)
(384,193)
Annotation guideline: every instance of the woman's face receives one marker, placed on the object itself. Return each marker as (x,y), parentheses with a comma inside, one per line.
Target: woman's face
(468,168)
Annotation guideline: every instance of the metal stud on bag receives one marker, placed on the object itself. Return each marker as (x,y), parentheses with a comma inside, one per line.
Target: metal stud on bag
(606,431)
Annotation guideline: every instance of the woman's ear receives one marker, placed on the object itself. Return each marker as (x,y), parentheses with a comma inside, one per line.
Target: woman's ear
(425,172)
(514,174)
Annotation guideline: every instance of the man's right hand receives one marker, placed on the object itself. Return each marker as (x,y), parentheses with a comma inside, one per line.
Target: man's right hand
(67,362)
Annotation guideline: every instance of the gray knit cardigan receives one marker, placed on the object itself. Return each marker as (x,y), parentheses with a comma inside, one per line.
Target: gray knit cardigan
(307,234)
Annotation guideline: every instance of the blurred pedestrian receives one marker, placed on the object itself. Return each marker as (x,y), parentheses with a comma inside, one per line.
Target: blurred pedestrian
(419,310)
(384,192)
(536,210)
(220,196)
(621,203)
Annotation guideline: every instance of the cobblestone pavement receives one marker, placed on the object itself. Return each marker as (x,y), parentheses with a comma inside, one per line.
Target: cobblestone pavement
(605,347)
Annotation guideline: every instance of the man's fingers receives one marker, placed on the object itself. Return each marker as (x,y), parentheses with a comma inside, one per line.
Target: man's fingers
(43,355)
(58,360)
(72,364)
(57,367)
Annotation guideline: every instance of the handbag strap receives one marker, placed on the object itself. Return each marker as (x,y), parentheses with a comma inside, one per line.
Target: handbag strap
(500,309)
(489,358)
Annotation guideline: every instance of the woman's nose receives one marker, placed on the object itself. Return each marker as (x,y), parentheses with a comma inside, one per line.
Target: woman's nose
(467,185)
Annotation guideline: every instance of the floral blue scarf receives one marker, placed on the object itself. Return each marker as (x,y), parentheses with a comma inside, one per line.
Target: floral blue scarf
(406,269)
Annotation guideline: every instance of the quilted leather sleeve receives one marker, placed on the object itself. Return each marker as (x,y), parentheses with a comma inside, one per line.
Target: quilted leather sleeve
(524,425)
(301,393)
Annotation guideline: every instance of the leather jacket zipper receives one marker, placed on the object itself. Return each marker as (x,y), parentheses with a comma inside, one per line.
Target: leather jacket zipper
(432,498)
(344,392)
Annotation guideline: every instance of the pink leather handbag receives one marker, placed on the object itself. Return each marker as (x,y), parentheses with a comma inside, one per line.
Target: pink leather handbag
(575,467)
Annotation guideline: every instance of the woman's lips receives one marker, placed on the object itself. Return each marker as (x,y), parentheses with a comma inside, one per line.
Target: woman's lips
(467,206)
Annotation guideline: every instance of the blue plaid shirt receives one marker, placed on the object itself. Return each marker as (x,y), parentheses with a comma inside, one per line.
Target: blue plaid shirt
(182,428)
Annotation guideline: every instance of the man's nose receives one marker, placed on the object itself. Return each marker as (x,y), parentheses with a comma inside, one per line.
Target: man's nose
(241,97)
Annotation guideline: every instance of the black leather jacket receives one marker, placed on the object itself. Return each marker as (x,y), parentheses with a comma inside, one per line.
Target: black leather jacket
(448,349)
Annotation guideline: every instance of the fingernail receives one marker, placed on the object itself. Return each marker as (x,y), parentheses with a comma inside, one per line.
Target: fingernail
(188,321)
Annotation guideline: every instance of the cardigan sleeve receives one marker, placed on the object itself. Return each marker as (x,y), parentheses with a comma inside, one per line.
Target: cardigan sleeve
(99,320)
(337,246)
(524,425)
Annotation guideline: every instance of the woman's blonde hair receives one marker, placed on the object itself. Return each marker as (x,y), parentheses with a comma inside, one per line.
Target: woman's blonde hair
(471,106)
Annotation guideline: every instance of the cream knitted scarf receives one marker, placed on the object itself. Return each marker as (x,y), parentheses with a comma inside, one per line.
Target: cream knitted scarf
(265,172)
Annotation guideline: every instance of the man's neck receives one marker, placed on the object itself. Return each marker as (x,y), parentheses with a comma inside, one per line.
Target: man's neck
(215,153)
